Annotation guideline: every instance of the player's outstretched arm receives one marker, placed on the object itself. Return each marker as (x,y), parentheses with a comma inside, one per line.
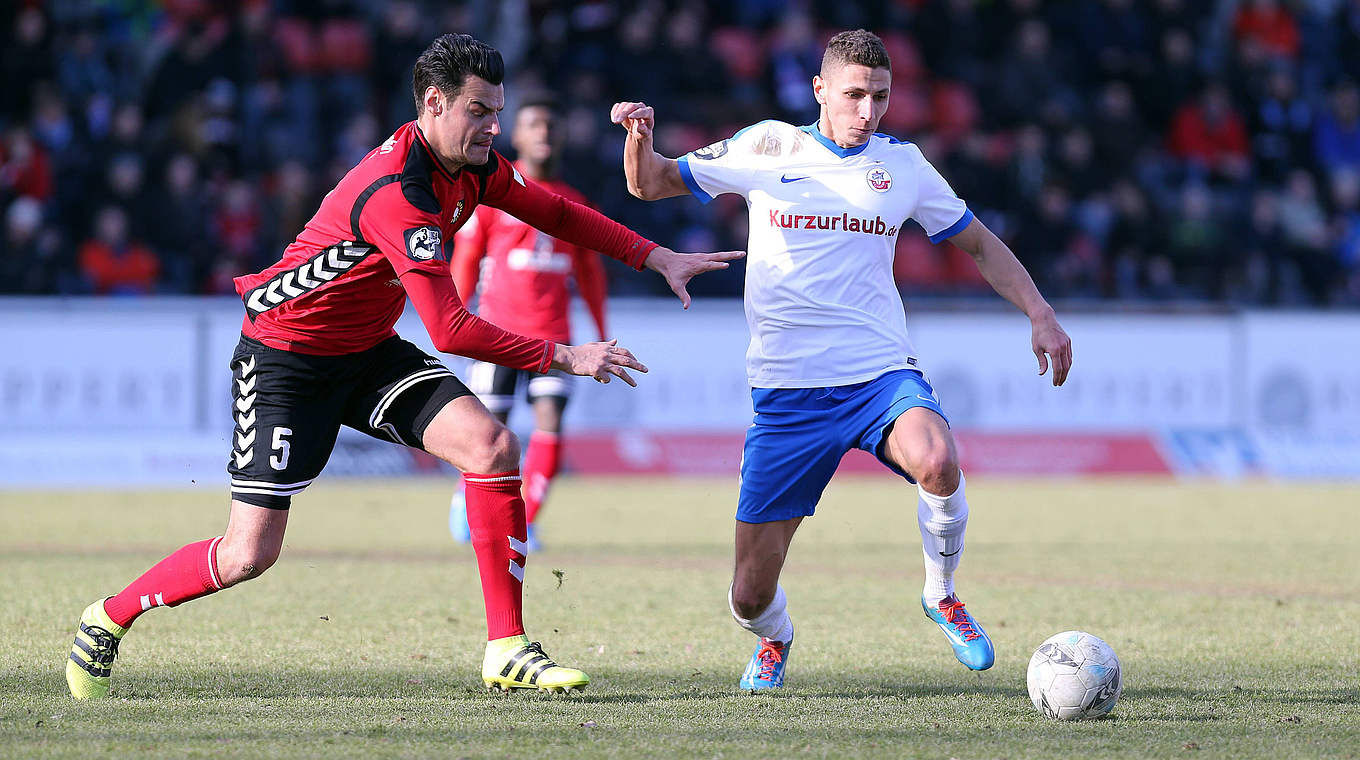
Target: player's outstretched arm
(680,268)
(651,176)
(581,225)
(1008,277)
(454,330)
(597,360)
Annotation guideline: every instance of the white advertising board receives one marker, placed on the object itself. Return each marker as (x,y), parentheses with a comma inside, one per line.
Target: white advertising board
(142,386)
(89,369)
(1302,374)
(1129,372)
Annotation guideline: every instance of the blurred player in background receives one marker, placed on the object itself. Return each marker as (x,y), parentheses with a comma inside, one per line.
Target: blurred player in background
(318,351)
(830,364)
(525,277)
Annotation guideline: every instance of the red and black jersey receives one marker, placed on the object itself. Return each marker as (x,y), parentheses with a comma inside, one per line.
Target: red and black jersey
(524,273)
(385,232)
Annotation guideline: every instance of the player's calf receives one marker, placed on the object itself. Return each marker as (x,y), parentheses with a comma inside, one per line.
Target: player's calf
(238,564)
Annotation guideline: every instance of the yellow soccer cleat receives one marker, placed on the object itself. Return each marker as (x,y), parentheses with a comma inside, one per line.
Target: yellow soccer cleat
(516,663)
(87,670)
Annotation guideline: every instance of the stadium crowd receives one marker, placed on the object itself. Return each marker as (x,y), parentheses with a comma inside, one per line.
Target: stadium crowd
(1147,151)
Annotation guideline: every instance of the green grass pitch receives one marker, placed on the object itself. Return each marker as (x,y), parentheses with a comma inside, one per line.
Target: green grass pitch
(1235,611)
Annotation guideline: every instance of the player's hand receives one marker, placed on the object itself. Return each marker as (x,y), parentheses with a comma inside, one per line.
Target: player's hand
(1049,340)
(680,268)
(638,118)
(598,360)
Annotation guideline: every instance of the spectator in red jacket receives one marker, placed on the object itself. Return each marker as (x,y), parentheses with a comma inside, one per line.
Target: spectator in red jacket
(24,168)
(1210,134)
(1270,25)
(112,263)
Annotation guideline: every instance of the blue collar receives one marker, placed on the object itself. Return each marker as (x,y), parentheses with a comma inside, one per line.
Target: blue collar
(830,144)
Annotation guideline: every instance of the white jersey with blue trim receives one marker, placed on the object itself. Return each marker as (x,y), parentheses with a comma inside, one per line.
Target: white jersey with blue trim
(821,302)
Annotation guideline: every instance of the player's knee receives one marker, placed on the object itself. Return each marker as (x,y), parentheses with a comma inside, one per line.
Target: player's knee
(238,564)
(748,602)
(497,452)
(938,471)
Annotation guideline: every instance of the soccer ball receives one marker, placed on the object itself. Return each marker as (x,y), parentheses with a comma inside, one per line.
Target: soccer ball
(1073,676)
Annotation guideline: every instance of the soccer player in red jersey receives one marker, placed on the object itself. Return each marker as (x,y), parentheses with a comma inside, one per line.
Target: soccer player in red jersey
(318,351)
(525,276)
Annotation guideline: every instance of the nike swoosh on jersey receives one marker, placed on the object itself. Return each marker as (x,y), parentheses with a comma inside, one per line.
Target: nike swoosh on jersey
(787,178)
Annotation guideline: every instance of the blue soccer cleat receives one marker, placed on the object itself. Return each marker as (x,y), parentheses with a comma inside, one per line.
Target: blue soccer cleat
(766,668)
(971,644)
(458,524)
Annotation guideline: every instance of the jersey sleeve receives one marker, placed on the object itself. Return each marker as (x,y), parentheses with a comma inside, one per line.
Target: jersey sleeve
(506,189)
(455,330)
(939,211)
(723,167)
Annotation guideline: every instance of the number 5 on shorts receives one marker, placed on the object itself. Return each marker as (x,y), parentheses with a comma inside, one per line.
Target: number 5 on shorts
(280,445)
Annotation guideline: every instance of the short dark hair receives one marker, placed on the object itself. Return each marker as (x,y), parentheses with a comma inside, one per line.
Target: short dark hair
(448,62)
(860,47)
(541,99)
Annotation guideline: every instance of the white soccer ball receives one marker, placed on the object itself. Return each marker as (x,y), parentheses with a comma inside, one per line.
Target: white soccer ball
(1074,675)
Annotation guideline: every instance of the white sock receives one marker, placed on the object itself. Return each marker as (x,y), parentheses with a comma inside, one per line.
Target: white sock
(943,520)
(774,623)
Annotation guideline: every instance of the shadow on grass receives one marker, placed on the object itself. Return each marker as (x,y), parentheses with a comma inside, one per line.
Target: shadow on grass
(842,688)
(1235,698)
(611,686)
(614,686)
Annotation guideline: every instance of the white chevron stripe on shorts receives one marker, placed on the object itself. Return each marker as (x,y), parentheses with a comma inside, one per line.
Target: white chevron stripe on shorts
(244,392)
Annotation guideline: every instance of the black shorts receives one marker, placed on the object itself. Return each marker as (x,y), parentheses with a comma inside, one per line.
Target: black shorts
(289,408)
(495,385)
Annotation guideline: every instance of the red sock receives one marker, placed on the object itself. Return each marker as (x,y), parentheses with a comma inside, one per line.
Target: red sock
(187,574)
(496,516)
(540,466)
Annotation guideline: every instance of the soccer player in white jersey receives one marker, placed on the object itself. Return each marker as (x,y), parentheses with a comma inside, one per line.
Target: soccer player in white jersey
(829,363)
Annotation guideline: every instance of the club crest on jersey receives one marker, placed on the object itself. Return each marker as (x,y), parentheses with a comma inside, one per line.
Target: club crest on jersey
(879,179)
(457,212)
(716,150)
(424,244)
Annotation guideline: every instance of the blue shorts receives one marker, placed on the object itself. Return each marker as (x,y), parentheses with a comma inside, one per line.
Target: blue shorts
(800,434)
